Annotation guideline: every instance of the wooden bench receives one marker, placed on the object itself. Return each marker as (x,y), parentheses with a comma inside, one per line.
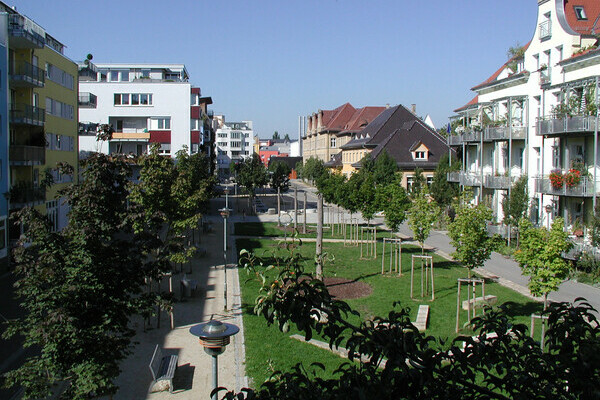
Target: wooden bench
(480,301)
(422,316)
(163,367)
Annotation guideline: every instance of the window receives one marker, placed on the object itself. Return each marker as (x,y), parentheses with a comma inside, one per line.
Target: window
(59,76)
(117,99)
(236,135)
(420,155)
(559,50)
(124,76)
(114,76)
(59,109)
(332,142)
(161,123)
(137,99)
(580,12)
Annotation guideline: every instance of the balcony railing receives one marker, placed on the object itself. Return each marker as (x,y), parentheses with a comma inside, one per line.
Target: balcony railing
(26,114)
(27,155)
(497,182)
(503,133)
(558,126)
(455,140)
(453,176)
(27,75)
(87,100)
(23,194)
(585,188)
(474,136)
(470,179)
(545,30)
(88,128)
(24,33)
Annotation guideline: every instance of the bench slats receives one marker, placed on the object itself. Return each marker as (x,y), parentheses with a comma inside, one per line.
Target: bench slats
(163,367)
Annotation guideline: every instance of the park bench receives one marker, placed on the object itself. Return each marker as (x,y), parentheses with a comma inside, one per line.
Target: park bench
(163,367)
(422,315)
(480,301)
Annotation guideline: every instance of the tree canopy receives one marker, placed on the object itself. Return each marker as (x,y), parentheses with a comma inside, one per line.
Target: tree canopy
(422,214)
(442,191)
(280,175)
(252,174)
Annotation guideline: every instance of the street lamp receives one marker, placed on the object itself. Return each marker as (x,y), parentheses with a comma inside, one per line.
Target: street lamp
(286,220)
(225,214)
(548,211)
(214,336)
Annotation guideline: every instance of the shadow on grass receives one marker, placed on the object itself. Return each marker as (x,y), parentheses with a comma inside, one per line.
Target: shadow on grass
(249,229)
(522,309)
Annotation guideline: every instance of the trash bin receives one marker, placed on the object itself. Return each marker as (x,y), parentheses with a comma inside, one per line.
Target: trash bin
(187,287)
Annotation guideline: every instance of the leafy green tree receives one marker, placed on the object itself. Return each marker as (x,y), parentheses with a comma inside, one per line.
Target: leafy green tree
(330,185)
(276,135)
(286,137)
(280,175)
(79,288)
(469,235)
(384,169)
(515,205)
(366,198)
(252,174)
(507,365)
(394,201)
(541,257)
(442,191)
(423,213)
(313,169)
(419,182)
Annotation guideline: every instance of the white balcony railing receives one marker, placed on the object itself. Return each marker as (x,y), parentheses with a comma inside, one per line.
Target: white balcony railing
(545,30)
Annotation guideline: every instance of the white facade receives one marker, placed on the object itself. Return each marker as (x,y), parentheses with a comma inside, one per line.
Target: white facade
(233,141)
(517,125)
(144,103)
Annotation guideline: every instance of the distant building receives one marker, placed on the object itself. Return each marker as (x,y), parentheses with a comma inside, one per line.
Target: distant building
(234,142)
(405,137)
(328,130)
(145,104)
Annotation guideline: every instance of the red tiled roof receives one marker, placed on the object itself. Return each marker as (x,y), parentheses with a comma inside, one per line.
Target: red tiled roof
(339,117)
(497,73)
(474,101)
(583,53)
(589,26)
(361,118)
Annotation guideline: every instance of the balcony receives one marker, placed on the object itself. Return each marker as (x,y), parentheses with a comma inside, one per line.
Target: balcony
(24,33)
(585,188)
(453,177)
(134,135)
(24,114)
(455,140)
(24,194)
(87,100)
(571,125)
(497,182)
(27,75)
(474,136)
(27,155)
(88,128)
(545,30)
(503,133)
(469,179)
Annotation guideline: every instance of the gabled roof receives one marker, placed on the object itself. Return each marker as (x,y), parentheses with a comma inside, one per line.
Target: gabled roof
(336,161)
(335,120)
(588,26)
(361,118)
(472,104)
(495,75)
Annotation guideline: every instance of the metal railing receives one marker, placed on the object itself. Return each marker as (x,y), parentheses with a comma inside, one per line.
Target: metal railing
(545,30)
(474,136)
(469,179)
(87,100)
(497,182)
(503,133)
(454,140)
(27,155)
(26,72)
(585,188)
(575,124)
(27,114)
(21,26)
(22,194)
(453,176)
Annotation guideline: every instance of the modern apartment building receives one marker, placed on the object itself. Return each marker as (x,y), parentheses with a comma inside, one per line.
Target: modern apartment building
(38,120)
(145,104)
(537,116)
(328,130)
(234,141)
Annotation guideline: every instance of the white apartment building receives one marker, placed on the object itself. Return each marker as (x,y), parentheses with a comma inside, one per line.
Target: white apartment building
(145,104)
(537,115)
(234,141)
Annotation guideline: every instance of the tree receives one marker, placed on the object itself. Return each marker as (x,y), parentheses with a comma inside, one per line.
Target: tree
(286,137)
(280,175)
(330,185)
(442,191)
(252,174)
(507,365)
(515,204)
(384,169)
(423,213)
(595,226)
(541,257)
(276,135)
(469,235)
(419,183)
(394,201)
(313,169)
(366,198)
(79,287)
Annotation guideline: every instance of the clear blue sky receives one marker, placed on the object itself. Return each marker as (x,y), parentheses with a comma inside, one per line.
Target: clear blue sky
(272,60)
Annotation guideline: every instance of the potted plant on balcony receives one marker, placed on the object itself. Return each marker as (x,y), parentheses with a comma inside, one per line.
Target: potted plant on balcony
(572,178)
(556,179)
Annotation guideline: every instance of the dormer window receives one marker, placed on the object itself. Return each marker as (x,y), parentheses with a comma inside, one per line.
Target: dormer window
(580,13)
(420,155)
(419,152)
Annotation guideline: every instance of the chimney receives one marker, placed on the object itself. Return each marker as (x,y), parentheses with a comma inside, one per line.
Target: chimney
(387,105)
(413,108)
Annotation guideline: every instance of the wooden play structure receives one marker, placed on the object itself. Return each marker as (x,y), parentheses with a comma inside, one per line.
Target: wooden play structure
(426,275)
(368,242)
(393,247)
(350,232)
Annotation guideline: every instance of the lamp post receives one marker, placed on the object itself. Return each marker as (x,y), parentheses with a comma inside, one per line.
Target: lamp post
(214,336)
(225,214)
(286,220)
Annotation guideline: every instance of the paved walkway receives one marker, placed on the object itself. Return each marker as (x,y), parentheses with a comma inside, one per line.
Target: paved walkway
(193,379)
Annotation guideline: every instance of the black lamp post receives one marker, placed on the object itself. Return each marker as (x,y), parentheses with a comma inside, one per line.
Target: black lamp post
(214,337)
(225,214)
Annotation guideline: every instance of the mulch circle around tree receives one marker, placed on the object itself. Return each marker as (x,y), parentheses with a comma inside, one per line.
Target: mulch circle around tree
(342,288)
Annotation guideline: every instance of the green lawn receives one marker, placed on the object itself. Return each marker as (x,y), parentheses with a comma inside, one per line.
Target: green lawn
(271,229)
(280,352)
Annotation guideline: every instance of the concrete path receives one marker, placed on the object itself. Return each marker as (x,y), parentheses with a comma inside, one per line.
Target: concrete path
(193,379)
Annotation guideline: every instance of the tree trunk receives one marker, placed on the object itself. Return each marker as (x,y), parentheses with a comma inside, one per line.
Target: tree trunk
(319,247)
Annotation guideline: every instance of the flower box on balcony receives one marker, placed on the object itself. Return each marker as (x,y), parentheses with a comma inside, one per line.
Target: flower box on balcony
(556,179)
(572,178)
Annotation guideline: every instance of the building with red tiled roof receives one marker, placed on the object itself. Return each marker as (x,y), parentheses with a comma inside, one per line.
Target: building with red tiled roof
(327,130)
(536,115)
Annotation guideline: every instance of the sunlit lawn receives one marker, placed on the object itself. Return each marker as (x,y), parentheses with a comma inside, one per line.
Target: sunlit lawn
(271,229)
(268,349)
